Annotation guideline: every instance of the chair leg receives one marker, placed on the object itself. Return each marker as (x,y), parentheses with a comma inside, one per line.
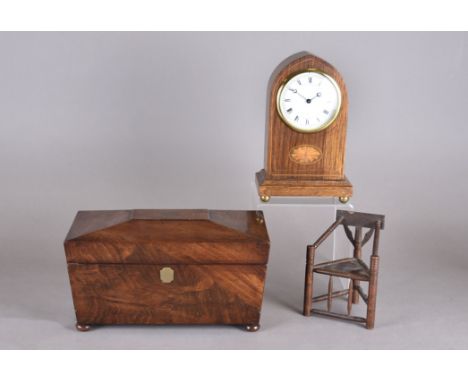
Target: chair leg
(330,293)
(355,292)
(372,297)
(350,296)
(309,281)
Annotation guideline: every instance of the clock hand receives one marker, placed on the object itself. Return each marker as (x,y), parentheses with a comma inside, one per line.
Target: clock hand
(296,92)
(309,100)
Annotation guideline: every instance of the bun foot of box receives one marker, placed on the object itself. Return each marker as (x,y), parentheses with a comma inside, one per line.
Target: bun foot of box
(252,328)
(82,327)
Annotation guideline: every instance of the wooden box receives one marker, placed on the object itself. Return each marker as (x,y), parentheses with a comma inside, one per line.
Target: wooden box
(167,267)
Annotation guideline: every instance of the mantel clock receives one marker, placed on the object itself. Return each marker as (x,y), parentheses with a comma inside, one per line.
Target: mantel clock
(306,132)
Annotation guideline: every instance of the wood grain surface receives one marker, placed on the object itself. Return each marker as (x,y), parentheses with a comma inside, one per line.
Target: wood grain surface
(283,174)
(281,139)
(199,294)
(168,237)
(215,267)
(302,186)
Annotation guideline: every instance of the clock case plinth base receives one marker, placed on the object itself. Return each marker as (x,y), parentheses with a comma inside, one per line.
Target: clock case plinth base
(268,186)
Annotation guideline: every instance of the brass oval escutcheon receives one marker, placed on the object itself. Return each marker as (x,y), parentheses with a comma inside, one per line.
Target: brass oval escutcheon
(167,275)
(305,154)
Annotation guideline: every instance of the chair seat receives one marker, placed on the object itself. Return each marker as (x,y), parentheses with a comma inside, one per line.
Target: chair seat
(350,268)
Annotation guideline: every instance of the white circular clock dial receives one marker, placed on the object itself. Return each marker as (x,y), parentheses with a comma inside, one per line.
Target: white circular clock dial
(309,101)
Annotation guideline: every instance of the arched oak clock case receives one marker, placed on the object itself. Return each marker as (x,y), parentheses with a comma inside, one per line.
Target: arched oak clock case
(304,163)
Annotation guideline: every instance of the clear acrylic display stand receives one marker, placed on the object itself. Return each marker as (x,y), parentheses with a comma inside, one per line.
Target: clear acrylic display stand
(295,222)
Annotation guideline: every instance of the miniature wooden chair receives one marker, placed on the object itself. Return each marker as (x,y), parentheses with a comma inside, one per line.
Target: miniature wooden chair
(353,268)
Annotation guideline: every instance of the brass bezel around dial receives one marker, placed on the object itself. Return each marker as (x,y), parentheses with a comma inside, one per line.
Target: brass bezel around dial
(325,125)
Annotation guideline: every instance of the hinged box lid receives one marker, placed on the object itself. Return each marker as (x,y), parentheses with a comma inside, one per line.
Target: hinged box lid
(168,237)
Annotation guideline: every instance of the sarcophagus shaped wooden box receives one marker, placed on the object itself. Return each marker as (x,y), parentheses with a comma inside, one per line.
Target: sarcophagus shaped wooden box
(167,267)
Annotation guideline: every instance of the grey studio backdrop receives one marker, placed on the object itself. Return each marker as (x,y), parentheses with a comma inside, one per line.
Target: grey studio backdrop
(177,120)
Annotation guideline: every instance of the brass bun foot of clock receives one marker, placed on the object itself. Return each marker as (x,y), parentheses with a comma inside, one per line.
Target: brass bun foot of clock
(265,198)
(267,187)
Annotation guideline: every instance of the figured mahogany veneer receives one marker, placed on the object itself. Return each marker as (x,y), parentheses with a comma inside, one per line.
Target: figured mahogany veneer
(217,260)
(287,175)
